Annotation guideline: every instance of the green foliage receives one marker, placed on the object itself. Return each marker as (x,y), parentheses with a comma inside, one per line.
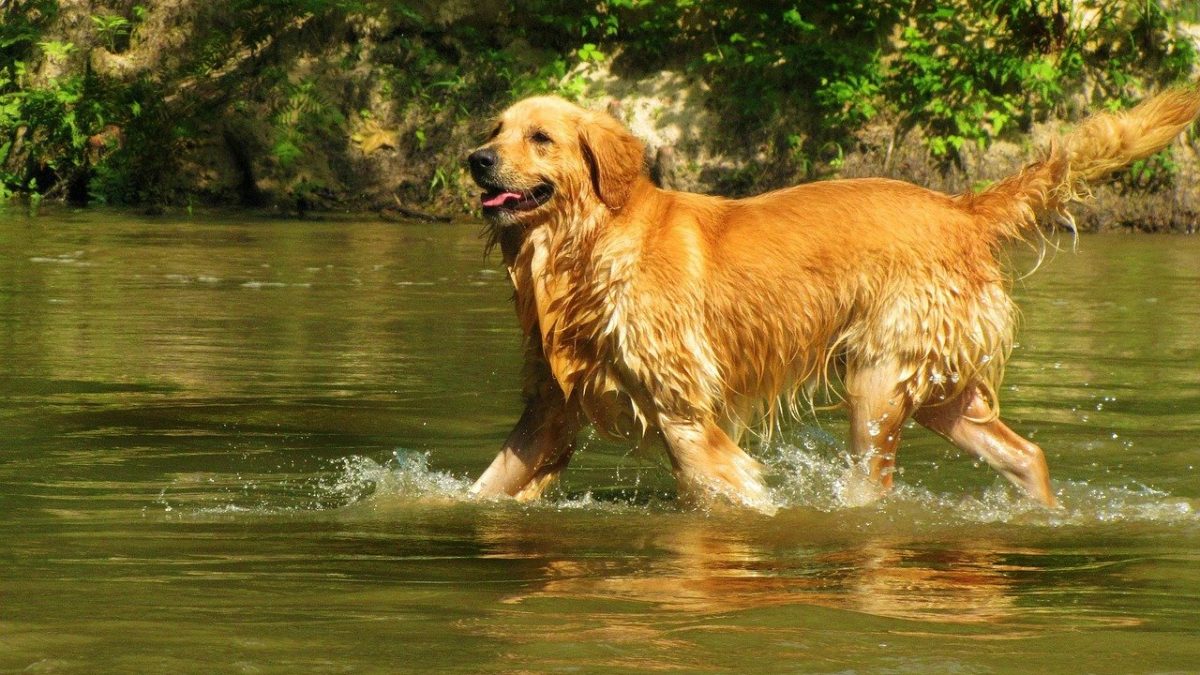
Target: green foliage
(965,71)
(301,112)
(1151,174)
(139,168)
(21,29)
(56,50)
(47,122)
(792,82)
(113,30)
(23,24)
(979,77)
(35,198)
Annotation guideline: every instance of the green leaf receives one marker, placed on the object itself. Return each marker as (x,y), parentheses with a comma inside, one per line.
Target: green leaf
(286,152)
(792,18)
(590,52)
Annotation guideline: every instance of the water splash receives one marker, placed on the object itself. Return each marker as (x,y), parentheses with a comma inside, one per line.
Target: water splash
(405,476)
(873,428)
(816,474)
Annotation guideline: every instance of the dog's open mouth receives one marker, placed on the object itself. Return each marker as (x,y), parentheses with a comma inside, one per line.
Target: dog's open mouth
(524,200)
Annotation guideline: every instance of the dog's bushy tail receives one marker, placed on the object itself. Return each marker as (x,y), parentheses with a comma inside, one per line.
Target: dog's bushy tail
(1101,145)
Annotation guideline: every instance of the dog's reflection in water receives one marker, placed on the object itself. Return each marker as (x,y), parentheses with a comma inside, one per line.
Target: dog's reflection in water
(694,594)
(697,567)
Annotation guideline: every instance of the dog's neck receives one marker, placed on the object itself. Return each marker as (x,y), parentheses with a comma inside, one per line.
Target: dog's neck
(575,228)
(566,257)
(509,238)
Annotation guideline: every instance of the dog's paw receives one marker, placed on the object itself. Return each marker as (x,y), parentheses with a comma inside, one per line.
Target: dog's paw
(855,489)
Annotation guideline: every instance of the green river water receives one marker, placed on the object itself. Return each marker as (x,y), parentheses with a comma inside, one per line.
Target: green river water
(240,445)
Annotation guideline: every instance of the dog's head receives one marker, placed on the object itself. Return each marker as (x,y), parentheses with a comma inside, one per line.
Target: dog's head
(548,158)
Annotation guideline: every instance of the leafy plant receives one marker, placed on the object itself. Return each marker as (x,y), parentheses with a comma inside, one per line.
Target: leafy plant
(302,112)
(55,49)
(113,30)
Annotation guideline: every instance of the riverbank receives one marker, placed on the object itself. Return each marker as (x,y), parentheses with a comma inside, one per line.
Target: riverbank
(297,107)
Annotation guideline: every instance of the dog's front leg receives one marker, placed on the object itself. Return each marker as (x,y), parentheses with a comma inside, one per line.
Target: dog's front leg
(709,466)
(536,451)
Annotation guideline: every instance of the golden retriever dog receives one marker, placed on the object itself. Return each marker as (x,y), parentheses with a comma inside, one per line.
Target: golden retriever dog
(684,319)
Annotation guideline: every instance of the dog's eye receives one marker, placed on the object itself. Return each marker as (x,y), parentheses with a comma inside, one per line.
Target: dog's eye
(540,138)
(495,132)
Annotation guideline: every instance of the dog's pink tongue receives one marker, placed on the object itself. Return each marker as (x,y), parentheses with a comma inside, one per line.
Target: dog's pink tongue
(499,199)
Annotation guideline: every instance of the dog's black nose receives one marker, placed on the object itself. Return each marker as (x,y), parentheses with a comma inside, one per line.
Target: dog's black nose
(482,159)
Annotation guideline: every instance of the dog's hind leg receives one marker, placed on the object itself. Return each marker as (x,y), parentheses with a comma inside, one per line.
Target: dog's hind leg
(878,410)
(969,422)
(708,465)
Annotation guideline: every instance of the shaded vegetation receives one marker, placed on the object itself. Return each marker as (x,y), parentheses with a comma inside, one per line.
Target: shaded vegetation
(302,104)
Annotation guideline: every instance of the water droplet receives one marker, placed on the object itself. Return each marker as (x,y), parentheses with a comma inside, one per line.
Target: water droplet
(873,428)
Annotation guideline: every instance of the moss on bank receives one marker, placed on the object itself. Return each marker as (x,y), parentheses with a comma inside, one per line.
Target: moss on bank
(296,105)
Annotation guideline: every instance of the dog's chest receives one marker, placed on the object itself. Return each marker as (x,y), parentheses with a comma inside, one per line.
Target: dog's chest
(571,309)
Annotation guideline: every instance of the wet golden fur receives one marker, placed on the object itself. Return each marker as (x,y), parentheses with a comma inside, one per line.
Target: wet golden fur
(683,318)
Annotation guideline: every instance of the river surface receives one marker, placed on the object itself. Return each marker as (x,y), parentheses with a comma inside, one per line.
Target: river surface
(230,444)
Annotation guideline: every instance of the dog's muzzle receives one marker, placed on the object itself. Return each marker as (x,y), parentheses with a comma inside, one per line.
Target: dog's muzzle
(483,164)
(498,198)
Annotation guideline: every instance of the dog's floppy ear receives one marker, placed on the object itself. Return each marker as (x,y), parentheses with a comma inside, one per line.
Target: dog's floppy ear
(614,156)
